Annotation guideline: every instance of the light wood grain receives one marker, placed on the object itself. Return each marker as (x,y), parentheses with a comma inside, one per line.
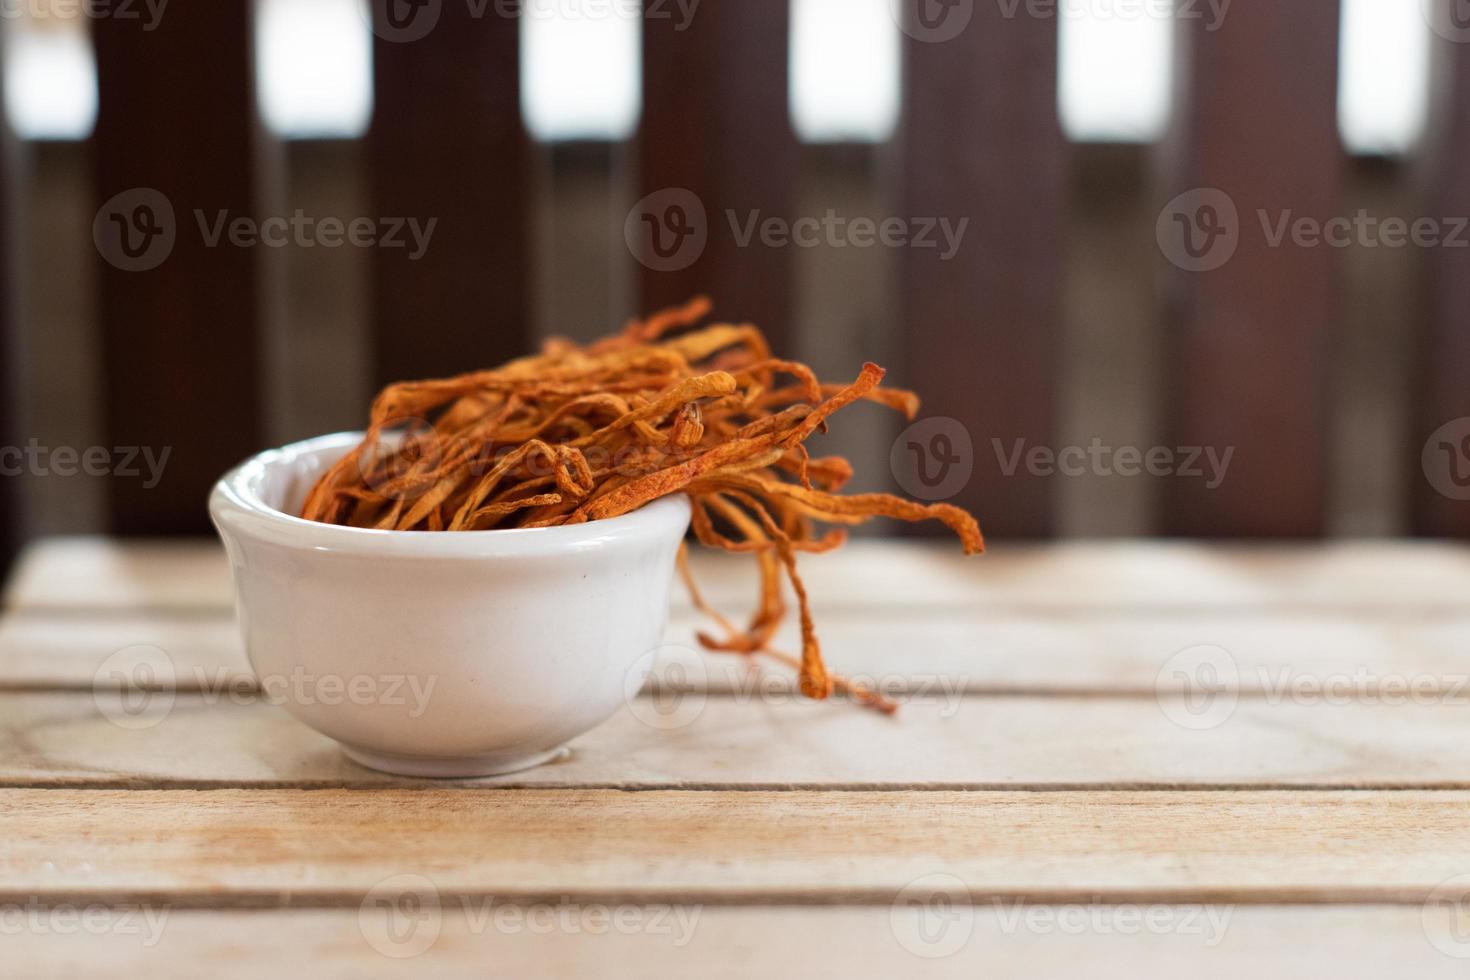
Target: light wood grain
(976,651)
(68,650)
(1347,943)
(94,573)
(940,741)
(272,847)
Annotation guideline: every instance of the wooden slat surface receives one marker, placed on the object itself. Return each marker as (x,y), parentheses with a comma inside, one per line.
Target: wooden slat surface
(981,143)
(1351,943)
(976,652)
(331,846)
(939,740)
(447,144)
(1034,763)
(176,146)
(91,574)
(1256,120)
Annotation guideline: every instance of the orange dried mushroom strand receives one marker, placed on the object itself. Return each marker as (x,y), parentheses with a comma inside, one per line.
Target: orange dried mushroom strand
(581,433)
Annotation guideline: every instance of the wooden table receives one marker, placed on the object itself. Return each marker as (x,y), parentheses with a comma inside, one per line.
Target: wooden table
(1118,758)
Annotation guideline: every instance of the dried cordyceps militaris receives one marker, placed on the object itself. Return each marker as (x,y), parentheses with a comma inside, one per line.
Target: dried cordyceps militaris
(582,433)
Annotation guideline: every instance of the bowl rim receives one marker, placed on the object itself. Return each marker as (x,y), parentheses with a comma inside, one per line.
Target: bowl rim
(235,506)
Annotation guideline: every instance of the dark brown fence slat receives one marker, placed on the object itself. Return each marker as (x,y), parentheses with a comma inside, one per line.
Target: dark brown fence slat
(1441,471)
(981,142)
(716,145)
(176,146)
(447,144)
(1256,135)
(10,363)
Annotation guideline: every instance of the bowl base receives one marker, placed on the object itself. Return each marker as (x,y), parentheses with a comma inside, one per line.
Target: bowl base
(450,767)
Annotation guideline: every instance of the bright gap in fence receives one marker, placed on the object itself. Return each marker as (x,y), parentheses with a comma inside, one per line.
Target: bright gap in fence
(581,79)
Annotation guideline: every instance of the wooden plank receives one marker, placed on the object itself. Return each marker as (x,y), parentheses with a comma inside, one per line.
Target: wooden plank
(1350,577)
(981,143)
(272,847)
(175,148)
(465,940)
(320,350)
(973,652)
(447,145)
(1256,131)
(11,531)
(60,325)
(1112,348)
(585,286)
(1375,378)
(715,142)
(775,740)
(1442,496)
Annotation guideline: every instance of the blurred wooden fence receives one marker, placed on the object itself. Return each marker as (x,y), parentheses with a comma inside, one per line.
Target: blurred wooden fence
(1247,349)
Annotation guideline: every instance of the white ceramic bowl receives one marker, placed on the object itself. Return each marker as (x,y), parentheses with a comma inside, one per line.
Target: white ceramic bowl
(462,653)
